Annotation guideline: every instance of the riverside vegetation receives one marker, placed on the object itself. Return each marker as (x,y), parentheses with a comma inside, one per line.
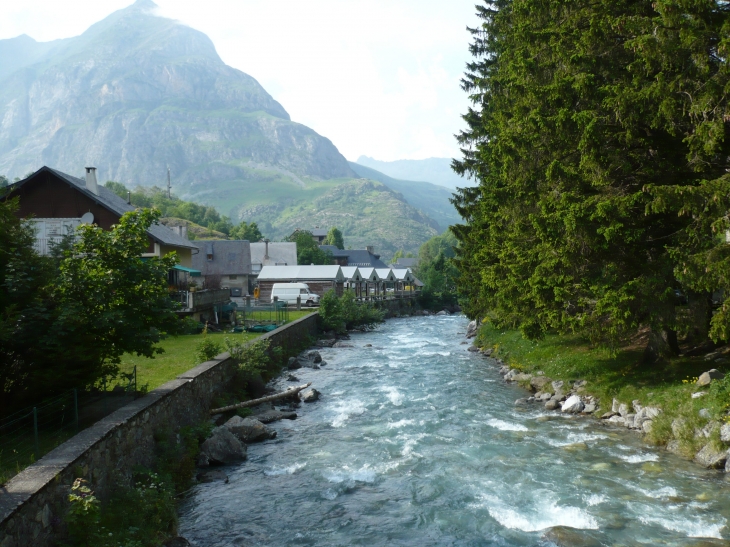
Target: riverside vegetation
(598,226)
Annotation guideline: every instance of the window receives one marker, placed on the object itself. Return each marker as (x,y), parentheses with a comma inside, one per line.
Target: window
(232,277)
(303,291)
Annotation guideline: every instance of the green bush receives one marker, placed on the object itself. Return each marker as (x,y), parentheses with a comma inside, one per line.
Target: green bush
(251,357)
(345,312)
(207,348)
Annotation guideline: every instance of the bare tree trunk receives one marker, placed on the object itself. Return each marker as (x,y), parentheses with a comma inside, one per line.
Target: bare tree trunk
(253,402)
(659,347)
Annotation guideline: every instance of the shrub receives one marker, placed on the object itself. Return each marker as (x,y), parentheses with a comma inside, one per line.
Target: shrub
(251,357)
(207,348)
(345,312)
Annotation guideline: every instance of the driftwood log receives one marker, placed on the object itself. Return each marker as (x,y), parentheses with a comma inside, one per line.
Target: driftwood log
(253,402)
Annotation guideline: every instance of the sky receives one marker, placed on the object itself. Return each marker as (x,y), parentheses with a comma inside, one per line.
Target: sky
(377,77)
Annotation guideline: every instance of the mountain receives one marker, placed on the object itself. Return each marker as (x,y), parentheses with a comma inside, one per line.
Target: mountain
(367,212)
(433,170)
(137,93)
(429,198)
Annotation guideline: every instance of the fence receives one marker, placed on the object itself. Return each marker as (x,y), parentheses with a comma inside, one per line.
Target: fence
(252,313)
(27,434)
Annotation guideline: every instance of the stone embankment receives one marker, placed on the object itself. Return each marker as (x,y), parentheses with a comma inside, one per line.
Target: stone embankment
(573,397)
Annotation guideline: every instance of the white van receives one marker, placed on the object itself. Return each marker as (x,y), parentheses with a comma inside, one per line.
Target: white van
(288,292)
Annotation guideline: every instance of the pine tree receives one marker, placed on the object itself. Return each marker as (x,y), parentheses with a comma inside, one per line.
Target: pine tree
(580,132)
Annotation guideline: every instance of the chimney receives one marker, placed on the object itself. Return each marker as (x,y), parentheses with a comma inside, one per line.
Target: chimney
(91,184)
(266,250)
(184,231)
(129,198)
(370,249)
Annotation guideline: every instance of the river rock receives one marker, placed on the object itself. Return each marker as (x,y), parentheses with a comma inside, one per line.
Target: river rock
(212,475)
(522,377)
(552,404)
(590,408)
(293,363)
(629,421)
(623,409)
(471,329)
(314,356)
(511,374)
(615,406)
(565,536)
(711,458)
(222,447)
(707,377)
(339,344)
(473,349)
(699,394)
(557,384)
(647,425)
(310,396)
(616,419)
(268,416)
(674,447)
(487,352)
(292,378)
(608,415)
(326,343)
(573,405)
(539,382)
(521,402)
(725,433)
(249,430)
(678,427)
(546,396)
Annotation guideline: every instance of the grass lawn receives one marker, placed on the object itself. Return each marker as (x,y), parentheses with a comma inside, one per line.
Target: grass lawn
(622,375)
(179,355)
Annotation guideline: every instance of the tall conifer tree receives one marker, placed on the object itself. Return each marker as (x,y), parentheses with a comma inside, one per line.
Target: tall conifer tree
(586,139)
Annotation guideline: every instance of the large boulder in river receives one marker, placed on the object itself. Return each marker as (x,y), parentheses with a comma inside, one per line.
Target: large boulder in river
(539,382)
(268,416)
(707,377)
(249,430)
(310,396)
(711,458)
(222,447)
(471,329)
(573,405)
(565,536)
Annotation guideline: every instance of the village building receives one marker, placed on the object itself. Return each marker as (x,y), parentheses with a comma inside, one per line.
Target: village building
(270,253)
(320,279)
(57,203)
(224,264)
(318,234)
(362,258)
(407,263)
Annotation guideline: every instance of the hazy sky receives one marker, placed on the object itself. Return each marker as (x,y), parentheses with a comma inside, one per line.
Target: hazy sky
(377,77)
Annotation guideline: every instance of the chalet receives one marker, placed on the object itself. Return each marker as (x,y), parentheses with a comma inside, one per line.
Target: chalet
(224,264)
(319,278)
(318,234)
(57,203)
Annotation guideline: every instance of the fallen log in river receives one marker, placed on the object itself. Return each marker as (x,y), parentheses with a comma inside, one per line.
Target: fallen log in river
(253,402)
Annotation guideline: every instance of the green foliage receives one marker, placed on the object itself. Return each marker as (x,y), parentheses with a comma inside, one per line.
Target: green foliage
(88,303)
(437,271)
(207,348)
(344,312)
(82,519)
(251,357)
(334,237)
(175,207)
(598,140)
(308,252)
(249,232)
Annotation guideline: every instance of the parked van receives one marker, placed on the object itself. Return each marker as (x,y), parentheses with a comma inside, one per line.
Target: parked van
(288,292)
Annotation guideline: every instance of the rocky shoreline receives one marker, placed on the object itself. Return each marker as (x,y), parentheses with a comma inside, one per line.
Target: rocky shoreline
(574,398)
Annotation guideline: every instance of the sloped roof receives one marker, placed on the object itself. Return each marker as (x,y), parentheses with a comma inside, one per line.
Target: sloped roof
(279,253)
(385,274)
(108,199)
(229,257)
(351,273)
(319,232)
(303,273)
(356,257)
(406,263)
(403,274)
(369,274)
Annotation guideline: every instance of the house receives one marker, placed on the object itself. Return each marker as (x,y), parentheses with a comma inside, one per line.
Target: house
(362,258)
(224,264)
(57,203)
(319,278)
(267,253)
(353,279)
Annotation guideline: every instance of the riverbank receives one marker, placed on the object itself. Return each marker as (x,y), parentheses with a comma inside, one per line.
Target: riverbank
(678,405)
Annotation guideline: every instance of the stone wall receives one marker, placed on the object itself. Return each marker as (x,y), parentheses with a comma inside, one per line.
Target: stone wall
(33,503)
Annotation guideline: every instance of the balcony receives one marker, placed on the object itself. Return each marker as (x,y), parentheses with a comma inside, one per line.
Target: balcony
(193,301)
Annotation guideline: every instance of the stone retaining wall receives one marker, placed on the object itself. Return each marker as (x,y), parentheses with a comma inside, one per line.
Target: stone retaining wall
(33,503)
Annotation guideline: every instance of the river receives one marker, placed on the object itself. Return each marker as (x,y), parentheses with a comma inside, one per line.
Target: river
(417,442)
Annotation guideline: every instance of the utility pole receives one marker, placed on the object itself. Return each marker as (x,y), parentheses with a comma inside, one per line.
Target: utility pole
(169,186)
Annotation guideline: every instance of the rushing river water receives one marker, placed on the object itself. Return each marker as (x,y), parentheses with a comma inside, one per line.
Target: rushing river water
(417,442)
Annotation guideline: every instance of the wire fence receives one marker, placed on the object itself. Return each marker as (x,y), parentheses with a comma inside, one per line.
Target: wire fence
(28,434)
(254,316)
